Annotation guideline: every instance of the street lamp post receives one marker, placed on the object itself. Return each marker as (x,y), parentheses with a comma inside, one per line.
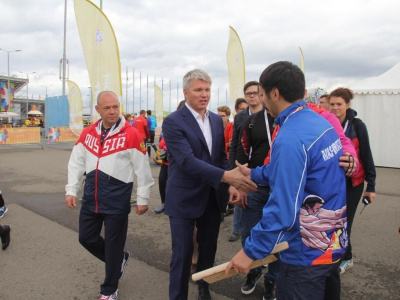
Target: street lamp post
(8,68)
(46,88)
(27,90)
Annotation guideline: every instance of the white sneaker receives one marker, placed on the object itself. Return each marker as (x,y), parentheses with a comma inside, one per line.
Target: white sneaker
(345,265)
(3,210)
(110,297)
(127,255)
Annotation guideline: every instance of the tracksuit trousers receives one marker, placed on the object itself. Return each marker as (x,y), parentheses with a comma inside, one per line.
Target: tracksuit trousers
(109,249)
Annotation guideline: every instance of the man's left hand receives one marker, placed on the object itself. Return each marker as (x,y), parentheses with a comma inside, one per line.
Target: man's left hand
(141,209)
(371,196)
(236,197)
(240,263)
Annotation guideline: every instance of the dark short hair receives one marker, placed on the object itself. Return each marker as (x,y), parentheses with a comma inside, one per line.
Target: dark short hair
(238,102)
(344,93)
(324,96)
(142,112)
(287,78)
(250,83)
(149,112)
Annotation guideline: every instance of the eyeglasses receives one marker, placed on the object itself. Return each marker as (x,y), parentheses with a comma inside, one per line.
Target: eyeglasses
(251,93)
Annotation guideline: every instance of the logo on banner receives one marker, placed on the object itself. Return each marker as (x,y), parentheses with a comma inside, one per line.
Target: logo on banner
(99,36)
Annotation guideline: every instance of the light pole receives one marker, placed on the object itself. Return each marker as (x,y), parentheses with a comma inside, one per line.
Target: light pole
(46,88)
(27,90)
(8,67)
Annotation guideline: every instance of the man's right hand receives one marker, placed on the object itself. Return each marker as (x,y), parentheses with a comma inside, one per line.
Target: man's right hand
(70,201)
(238,180)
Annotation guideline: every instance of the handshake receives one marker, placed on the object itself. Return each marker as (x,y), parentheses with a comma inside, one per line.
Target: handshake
(240,183)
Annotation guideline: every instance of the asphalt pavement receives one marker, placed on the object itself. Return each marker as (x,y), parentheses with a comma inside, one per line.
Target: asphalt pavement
(45,261)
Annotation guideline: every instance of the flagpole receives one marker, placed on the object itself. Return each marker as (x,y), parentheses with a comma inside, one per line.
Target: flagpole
(140,85)
(126,89)
(133,91)
(218,97)
(147,104)
(170,95)
(64,59)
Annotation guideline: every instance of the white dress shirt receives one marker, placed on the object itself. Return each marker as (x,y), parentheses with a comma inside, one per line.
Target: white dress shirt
(204,126)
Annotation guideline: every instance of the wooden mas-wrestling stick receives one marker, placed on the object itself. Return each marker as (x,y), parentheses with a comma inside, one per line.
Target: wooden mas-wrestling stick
(217,273)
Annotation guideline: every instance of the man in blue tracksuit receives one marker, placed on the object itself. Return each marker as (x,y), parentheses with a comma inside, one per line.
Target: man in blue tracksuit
(307,205)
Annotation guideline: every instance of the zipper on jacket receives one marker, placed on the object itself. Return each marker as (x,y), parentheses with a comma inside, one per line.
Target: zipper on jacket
(95,186)
(97,167)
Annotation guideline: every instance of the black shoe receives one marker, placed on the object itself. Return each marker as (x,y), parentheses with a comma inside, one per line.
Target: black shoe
(234,236)
(269,290)
(5,237)
(204,292)
(250,284)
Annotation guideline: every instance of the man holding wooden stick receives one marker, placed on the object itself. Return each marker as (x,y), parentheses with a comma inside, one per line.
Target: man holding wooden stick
(303,167)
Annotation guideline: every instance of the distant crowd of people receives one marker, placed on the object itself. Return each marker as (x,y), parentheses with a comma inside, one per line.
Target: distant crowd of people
(288,170)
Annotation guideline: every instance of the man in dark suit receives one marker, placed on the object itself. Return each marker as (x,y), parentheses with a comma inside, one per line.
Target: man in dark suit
(196,188)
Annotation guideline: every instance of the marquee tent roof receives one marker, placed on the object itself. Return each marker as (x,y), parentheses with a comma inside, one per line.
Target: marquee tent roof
(387,83)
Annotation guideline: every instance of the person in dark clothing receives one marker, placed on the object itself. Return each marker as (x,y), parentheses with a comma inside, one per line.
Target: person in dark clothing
(250,91)
(3,208)
(152,123)
(255,142)
(5,230)
(356,130)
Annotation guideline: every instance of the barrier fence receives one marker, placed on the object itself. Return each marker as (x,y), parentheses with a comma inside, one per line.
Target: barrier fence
(9,136)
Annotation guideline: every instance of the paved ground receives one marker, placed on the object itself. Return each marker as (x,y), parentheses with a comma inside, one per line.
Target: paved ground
(45,261)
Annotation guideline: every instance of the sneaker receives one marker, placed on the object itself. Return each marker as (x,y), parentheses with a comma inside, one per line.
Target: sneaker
(3,210)
(345,265)
(269,290)
(159,209)
(234,236)
(110,297)
(250,284)
(127,255)
(5,237)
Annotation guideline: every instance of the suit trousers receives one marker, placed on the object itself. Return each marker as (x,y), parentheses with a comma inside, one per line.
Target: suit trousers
(109,249)
(182,247)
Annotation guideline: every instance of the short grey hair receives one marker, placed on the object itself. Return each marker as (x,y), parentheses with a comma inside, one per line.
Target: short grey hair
(196,74)
(106,92)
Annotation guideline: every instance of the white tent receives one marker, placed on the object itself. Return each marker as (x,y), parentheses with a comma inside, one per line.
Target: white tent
(377,102)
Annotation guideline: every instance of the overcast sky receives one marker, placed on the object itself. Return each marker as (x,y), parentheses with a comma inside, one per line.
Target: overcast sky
(342,41)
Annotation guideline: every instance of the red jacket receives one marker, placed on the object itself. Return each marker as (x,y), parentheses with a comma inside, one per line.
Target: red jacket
(143,127)
(228,136)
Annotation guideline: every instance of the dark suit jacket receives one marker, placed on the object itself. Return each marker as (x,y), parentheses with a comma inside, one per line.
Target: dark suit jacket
(193,173)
